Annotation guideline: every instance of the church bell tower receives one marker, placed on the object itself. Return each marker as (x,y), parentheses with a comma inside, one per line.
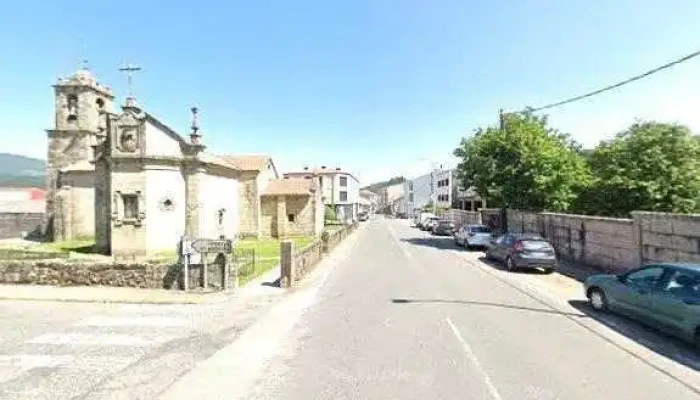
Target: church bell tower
(79,101)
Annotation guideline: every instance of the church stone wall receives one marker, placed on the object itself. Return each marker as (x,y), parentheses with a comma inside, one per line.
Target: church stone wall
(268,214)
(128,239)
(165,207)
(82,203)
(249,200)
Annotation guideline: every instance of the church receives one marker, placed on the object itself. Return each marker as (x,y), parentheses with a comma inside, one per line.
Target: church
(137,186)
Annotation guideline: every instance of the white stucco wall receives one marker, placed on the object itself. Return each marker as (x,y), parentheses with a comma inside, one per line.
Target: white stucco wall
(165,226)
(217,192)
(443,190)
(158,143)
(422,187)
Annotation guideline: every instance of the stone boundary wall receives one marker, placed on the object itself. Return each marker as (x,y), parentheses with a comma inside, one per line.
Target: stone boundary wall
(296,265)
(19,225)
(61,272)
(615,244)
(460,217)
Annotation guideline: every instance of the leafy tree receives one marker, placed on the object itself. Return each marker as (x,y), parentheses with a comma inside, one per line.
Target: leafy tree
(651,166)
(526,165)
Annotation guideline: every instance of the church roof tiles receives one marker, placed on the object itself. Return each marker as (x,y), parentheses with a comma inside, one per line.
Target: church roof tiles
(289,187)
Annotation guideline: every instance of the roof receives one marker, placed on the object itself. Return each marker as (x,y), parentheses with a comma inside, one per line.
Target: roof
(216,160)
(289,187)
(248,162)
(323,171)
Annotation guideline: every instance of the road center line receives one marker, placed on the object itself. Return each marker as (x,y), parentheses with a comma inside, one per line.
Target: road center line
(472,357)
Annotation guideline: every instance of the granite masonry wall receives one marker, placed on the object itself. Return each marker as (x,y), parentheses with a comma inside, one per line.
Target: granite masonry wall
(615,244)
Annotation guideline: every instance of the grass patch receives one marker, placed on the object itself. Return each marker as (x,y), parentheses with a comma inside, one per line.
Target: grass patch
(261,266)
(22,254)
(270,247)
(79,245)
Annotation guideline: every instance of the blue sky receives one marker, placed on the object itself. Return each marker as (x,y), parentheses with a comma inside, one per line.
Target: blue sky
(378,87)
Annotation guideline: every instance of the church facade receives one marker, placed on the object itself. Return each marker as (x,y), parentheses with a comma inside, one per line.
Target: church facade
(137,186)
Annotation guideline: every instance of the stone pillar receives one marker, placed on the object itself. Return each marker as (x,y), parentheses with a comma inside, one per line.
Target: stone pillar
(193,179)
(286,263)
(281,217)
(64,214)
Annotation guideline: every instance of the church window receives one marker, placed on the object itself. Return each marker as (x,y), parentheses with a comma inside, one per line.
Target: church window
(100,103)
(290,217)
(72,107)
(131,206)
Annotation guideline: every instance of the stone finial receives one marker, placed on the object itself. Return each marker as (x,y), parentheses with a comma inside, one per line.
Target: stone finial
(195,137)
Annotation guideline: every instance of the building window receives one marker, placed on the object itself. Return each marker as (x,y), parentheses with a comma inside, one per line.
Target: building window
(131,206)
(290,217)
(343,181)
(72,107)
(410,186)
(343,196)
(410,197)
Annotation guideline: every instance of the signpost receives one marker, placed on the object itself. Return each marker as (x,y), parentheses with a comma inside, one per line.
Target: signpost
(202,247)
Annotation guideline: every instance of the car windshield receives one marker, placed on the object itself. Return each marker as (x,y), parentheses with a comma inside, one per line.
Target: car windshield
(480,229)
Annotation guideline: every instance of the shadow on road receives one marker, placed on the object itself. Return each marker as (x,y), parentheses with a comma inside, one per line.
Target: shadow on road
(275,283)
(652,339)
(439,242)
(501,266)
(485,304)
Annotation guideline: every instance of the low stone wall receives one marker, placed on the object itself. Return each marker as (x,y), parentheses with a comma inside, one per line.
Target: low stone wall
(295,265)
(60,272)
(615,244)
(19,225)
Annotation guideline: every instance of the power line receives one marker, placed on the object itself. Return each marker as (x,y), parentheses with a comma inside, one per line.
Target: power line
(617,85)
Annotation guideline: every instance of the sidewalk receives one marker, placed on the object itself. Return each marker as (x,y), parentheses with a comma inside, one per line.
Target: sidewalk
(106,294)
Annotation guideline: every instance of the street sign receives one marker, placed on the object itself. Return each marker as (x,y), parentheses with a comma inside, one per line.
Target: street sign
(212,246)
(186,246)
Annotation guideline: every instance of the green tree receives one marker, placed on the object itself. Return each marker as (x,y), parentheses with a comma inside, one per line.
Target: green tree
(526,165)
(329,214)
(651,166)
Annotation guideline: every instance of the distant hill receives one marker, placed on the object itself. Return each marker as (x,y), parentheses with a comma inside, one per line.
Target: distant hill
(21,171)
(376,187)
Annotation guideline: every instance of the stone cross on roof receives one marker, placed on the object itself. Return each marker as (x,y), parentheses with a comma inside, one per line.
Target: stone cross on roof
(130,69)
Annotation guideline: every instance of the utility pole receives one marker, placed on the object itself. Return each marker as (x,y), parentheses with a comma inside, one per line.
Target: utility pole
(501,120)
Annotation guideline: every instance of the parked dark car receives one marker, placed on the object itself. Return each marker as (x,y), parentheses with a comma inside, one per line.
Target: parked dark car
(443,228)
(363,216)
(663,295)
(523,250)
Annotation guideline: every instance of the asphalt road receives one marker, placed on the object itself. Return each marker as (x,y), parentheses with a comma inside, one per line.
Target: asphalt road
(409,316)
(61,351)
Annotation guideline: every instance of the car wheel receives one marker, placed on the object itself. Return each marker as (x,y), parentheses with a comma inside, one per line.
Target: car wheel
(487,255)
(597,299)
(510,264)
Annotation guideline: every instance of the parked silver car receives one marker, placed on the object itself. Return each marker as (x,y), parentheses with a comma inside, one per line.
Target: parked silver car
(523,250)
(471,236)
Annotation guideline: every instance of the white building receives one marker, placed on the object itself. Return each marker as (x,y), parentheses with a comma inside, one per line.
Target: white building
(443,181)
(339,189)
(418,193)
(388,197)
(369,201)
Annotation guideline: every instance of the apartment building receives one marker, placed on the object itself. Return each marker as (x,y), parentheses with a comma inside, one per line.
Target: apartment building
(339,189)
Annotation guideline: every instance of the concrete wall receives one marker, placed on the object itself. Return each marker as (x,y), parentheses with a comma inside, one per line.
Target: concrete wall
(165,207)
(219,192)
(461,217)
(669,237)
(250,220)
(615,244)
(17,225)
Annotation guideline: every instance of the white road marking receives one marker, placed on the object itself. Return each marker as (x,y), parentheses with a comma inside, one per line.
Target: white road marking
(103,339)
(149,321)
(25,362)
(472,357)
